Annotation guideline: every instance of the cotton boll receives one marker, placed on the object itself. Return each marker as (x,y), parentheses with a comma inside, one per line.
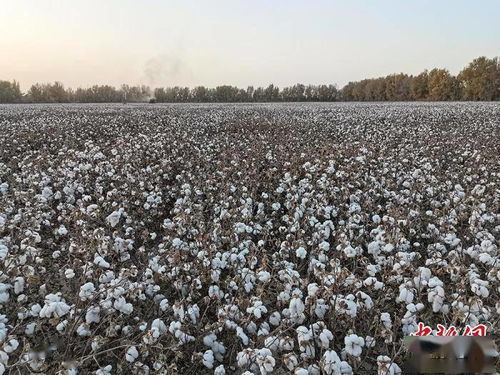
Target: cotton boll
(264,276)
(114,217)
(241,334)
(220,370)
(101,262)
(386,366)
(290,361)
(208,359)
(349,252)
(93,315)
(83,330)
(10,346)
(132,354)
(275,318)
(301,253)
(69,273)
(354,345)
(330,363)
(86,291)
(121,305)
(62,231)
(19,285)
(104,370)
(265,361)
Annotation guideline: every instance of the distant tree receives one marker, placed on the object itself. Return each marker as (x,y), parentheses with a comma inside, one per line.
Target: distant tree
(10,92)
(442,85)
(420,86)
(481,79)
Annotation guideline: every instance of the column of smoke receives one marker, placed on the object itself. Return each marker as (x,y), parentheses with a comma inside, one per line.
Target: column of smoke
(161,71)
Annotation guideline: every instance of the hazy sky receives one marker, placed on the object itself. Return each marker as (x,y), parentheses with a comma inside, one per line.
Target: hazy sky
(166,43)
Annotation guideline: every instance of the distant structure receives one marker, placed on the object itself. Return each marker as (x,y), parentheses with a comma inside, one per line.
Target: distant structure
(152,101)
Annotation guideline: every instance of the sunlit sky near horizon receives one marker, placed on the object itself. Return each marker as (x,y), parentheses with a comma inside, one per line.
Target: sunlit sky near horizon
(190,43)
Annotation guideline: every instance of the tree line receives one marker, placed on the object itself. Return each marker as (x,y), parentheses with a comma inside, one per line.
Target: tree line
(479,80)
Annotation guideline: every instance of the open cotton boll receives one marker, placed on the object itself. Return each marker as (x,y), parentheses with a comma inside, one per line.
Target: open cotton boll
(86,291)
(69,273)
(123,306)
(354,345)
(132,354)
(301,253)
(330,363)
(54,306)
(113,218)
(208,359)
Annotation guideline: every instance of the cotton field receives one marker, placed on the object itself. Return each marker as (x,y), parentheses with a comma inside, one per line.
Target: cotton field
(243,239)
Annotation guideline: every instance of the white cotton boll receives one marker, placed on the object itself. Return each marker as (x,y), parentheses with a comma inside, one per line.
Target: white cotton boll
(264,276)
(62,326)
(10,346)
(101,262)
(301,371)
(104,370)
(209,340)
(19,285)
(114,217)
(179,311)
(54,306)
(86,291)
(3,249)
(353,345)
(272,343)
(257,309)
(93,315)
(370,341)
(69,273)
(286,343)
(30,329)
(4,357)
(290,361)
(244,357)
(386,366)
(376,219)
(480,288)
(330,363)
(131,354)
(325,337)
(241,334)
(265,361)
(349,252)
(275,318)
(386,320)
(4,292)
(208,359)
(276,206)
(325,246)
(486,259)
(121,305)
(264,329)
(164,304)
(405,295)
(83,330)
(220,370)
(62,231)
(345,368)
(301,253)
(296,308)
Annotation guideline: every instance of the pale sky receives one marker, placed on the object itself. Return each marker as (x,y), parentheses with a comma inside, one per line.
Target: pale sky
(257,42)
